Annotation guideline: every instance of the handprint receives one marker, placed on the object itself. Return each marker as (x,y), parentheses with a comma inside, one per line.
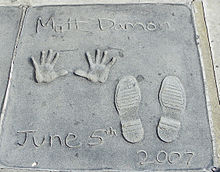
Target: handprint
(98,70)
(44,72)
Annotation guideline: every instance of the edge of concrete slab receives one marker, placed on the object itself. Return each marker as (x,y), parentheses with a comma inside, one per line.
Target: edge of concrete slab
(75,2)
(209,77)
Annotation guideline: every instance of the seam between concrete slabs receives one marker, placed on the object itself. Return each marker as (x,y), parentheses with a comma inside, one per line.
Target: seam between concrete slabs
(84,2)
(5,100)
(208,74)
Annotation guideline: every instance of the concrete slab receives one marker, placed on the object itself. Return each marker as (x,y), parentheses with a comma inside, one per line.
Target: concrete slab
(213,27)
(65,122)
(209,77)
(9,17)
(78,2)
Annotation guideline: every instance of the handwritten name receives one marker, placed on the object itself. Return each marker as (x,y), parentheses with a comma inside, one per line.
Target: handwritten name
(99,24)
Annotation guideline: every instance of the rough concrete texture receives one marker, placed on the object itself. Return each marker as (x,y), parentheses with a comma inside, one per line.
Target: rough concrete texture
(213,26)
(10,17)
(209,77)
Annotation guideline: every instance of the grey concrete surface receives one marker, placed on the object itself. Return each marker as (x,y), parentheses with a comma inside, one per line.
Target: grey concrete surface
(81,112)
(9,17)
(211,8)
(212,20)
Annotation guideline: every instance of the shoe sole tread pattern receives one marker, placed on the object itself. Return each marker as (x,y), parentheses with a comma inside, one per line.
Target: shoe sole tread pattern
(127,101)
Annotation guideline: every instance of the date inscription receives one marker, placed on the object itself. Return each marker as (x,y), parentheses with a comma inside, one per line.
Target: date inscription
(70,140)
(163,156)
